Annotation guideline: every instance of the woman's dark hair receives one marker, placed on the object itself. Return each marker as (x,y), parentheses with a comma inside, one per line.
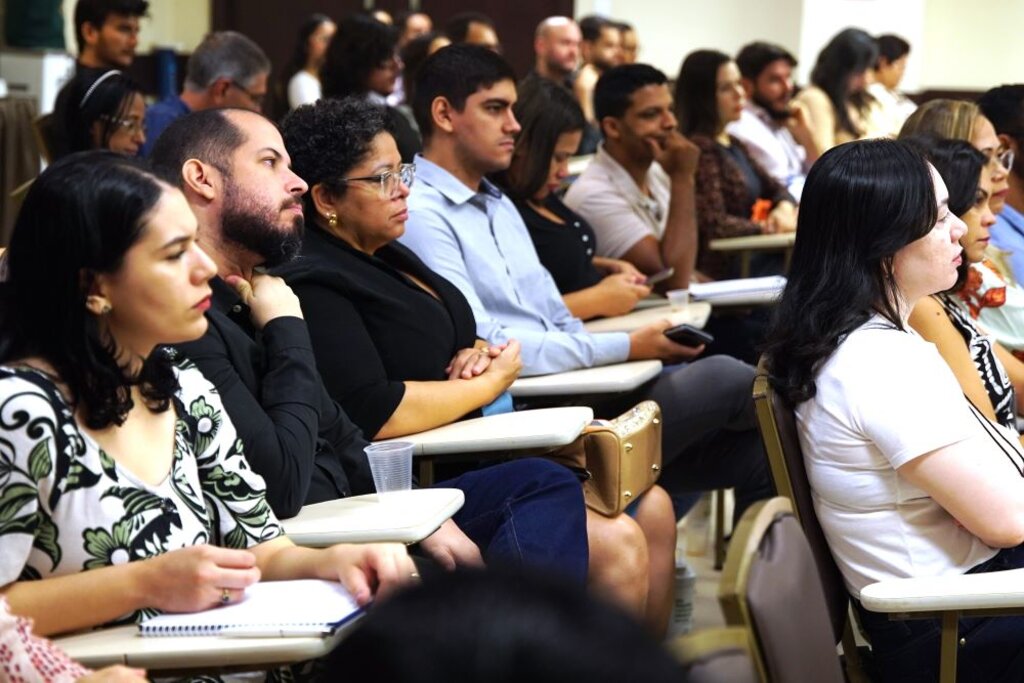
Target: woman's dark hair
(90,98)
(414,54)
(960,165)
(545,111)
(300,57)
(80,217)
(862,202)
(328,138)
(892,47)
(850,52)
(360,45)
(696,103)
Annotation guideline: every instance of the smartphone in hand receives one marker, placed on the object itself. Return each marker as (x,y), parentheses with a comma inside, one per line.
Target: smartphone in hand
(660,276)
(688,335)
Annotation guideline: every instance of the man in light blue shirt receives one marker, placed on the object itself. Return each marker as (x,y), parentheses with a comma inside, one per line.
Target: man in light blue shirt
(464,228)
(1004,107)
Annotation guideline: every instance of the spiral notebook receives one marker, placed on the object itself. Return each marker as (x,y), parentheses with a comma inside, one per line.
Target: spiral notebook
(269,609)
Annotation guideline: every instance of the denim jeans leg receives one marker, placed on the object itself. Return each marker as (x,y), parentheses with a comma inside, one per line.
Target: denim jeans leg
(527,512)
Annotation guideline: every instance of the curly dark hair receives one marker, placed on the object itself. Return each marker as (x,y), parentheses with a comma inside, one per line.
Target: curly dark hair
(360,45)
(328,138)
(862,202)
(80,217)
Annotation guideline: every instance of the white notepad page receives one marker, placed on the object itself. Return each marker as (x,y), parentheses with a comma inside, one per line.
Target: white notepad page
(306,607)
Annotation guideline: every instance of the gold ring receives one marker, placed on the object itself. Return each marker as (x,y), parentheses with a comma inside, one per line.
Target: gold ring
(225,596)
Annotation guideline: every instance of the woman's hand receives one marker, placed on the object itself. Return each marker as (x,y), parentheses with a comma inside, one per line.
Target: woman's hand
(469,363)
(609,266)
(505,366)
(782,218)
(196,578)
(620,292)
(371,570)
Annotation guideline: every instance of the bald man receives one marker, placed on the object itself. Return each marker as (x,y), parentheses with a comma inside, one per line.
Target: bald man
(556,45)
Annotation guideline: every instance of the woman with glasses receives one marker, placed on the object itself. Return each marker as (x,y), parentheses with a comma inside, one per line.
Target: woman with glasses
(991,378)
(99,112)
(396,343)
(362,61)
(989,296)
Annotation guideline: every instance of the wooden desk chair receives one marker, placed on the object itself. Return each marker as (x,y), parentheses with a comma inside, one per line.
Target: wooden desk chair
(777,425)
(716,655)
(43,129)
(771,587)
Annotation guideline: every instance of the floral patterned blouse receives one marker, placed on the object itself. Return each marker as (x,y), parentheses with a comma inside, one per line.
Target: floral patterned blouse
(66,506)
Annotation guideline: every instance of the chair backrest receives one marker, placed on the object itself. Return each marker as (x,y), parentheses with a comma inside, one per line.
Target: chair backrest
(777,424)
(716,655)
(44,135)
(770,585)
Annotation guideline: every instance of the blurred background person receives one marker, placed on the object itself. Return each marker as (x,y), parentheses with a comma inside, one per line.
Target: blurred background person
(104,112)
(892,106)
(303,72)
(630,42)
(473,28)
(556,46)
(1004,108)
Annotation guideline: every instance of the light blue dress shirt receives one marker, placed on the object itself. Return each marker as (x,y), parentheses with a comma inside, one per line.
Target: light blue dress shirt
(1008,235)
(478,241)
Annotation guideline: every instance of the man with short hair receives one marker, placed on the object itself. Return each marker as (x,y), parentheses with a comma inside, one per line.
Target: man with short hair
(1004,107)
(630,42)
(473,28)
(556,45)
(233,167)
(638,192)
(601,49)
(227,69)
(412,25)
(465,229)
(773,125)
(107,32)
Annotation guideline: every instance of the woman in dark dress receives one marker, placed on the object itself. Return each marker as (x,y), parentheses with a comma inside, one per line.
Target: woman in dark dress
(396,343)
(552,125)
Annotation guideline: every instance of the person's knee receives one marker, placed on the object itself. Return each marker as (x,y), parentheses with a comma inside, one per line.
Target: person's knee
(656,518)
(617,544)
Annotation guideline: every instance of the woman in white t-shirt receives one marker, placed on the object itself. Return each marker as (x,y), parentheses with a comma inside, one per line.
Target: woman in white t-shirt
(907,478)
(304,69)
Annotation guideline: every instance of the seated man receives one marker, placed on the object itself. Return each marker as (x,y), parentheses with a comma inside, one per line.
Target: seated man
(467,231)
(226,70)
(773,126)
(600,49)
(556,49)
(473,28)
(638,192)
(234,170)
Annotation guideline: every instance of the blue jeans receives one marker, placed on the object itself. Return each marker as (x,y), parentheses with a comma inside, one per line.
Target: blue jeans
(526,513)
(993,649)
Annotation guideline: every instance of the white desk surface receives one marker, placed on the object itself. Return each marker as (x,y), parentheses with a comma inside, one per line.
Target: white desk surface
(399,517)
(522,429)
(779,240)
(600,380)
(124,645)
(696,314)
(746,299)
(989,590)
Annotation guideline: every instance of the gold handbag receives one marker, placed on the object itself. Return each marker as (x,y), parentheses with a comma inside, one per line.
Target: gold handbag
(622,458)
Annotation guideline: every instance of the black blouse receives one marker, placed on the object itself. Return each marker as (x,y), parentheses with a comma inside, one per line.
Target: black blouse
(566,249)
(372,327)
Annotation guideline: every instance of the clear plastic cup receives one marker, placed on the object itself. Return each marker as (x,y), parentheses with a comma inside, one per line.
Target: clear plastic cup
(679,299)
(391,465)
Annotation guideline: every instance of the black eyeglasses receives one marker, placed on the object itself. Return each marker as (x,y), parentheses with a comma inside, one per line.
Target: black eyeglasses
(389,180)
(257,98)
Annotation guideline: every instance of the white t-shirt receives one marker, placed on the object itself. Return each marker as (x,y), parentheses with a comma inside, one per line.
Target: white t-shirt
(303,88)
(883,398)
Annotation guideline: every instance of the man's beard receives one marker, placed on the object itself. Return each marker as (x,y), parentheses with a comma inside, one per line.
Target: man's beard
(247,225)
(770,108)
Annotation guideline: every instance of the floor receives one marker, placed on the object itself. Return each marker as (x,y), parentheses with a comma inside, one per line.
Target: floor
(696,547)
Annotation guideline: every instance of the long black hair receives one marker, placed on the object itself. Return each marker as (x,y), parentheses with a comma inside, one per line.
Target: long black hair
(862,202)
(850,52)
(80,217)
(545,110)
(360,45)
(91,98)
(300,56)
(696,90)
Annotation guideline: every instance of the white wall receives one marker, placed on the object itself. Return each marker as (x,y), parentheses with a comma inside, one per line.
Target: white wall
(957,44)
(180,24)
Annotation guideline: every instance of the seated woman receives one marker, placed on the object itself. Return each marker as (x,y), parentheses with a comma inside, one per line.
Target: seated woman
(410,358)
(988,374)
(104,112)
(909,480)
(552,126)
(735,195)
(125,491)
(303,72)
(362,61)
(839,108)
(988,295)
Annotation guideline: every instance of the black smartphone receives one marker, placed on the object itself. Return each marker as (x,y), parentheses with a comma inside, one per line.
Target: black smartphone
(660,276)
(688,335)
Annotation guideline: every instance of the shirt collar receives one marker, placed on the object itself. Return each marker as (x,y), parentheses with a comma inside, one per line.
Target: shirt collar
(1013,217)
(448,185)
(224,295)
